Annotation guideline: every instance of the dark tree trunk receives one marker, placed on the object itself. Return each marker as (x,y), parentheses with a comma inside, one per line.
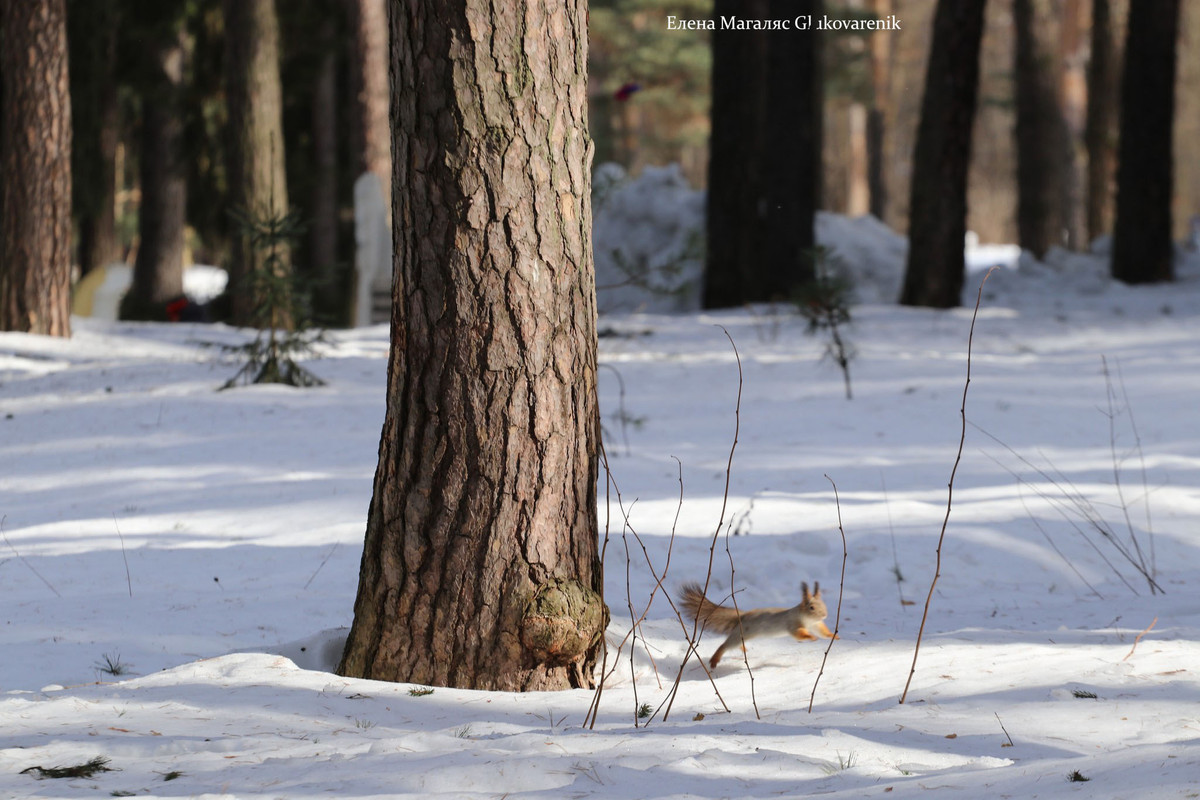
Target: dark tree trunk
(35,168)
(1142,232)
(792,170)
(158,269)
(1039,133)
(1100,133)
(256,175)
(736,198)
(938,207)
(480,567)
(92,34)
(324,192)
(881,53)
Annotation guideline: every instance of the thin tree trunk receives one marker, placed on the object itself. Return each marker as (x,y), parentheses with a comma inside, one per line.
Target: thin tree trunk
(881,57)
(324,192)
(938,208)
(256,175)
(35,168)
(1039,134)
(1100,133)
(369,77)
(1142,247)
(480,567)
(158,269)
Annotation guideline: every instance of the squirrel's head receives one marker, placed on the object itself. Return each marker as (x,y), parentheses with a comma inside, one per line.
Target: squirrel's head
(813,601)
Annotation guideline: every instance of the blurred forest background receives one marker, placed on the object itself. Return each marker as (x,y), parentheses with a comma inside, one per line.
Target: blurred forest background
(181,111)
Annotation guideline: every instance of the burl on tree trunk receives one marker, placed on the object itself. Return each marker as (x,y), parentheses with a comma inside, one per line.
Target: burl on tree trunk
(480,568)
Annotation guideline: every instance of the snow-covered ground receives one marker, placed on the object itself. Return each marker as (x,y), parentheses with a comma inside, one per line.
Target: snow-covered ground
(205,545)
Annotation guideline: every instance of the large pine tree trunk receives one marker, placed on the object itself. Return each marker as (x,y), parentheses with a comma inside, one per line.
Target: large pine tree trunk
(938,209)
(480,567)
(35,168)
(158,269)
(1142,246)
(256,175)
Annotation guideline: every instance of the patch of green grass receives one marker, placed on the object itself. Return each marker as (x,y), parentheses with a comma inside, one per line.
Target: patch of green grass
(1077,777)
(644,710)
(1083,694)
(420,691)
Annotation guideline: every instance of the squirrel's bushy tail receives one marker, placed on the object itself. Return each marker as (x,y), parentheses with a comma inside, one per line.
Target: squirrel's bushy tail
(705,611)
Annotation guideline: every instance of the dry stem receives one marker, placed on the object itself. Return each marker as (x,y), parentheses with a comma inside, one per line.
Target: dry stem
(937,572)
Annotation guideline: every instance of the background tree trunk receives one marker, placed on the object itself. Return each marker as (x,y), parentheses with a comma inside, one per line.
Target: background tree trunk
(792,171)
(1100,134)
(937,229)
(92,37)
(256,175)
(35,168)
(1039,132)
(480,567)
(1142,246)
(158,269)
(877,114)
(325,189)
(371,128)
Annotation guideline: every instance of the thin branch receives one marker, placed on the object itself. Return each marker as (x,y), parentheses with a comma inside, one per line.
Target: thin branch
(21,558)
(1139,638)
(697,629)
(124,557)
(949,489)
(837,617)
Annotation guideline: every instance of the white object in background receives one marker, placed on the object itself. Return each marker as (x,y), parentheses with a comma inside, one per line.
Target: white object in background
(372,252)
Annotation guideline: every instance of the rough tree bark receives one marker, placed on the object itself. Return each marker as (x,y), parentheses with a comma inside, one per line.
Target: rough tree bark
(1142,247)
(255,169)
(35,168)
(480,567)
(938,208)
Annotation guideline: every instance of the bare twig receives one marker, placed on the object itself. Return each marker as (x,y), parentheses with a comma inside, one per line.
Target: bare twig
(949,489)
(697,629)
(741,628)
(1139,638)
(837,617)
(1006,736)
(21,558)
(128,581)
(321,566)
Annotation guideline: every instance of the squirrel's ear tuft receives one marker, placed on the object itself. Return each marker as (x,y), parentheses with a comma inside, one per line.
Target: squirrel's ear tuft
(817,589)
(804,591)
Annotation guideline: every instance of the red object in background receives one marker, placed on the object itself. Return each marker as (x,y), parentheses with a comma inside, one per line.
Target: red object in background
(175,309)
(626,91)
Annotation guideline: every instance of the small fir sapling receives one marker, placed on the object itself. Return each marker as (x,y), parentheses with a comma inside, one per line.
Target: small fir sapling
(825,303)
(279,312)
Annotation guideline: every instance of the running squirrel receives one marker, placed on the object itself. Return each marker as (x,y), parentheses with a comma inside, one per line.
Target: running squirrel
(751,624)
